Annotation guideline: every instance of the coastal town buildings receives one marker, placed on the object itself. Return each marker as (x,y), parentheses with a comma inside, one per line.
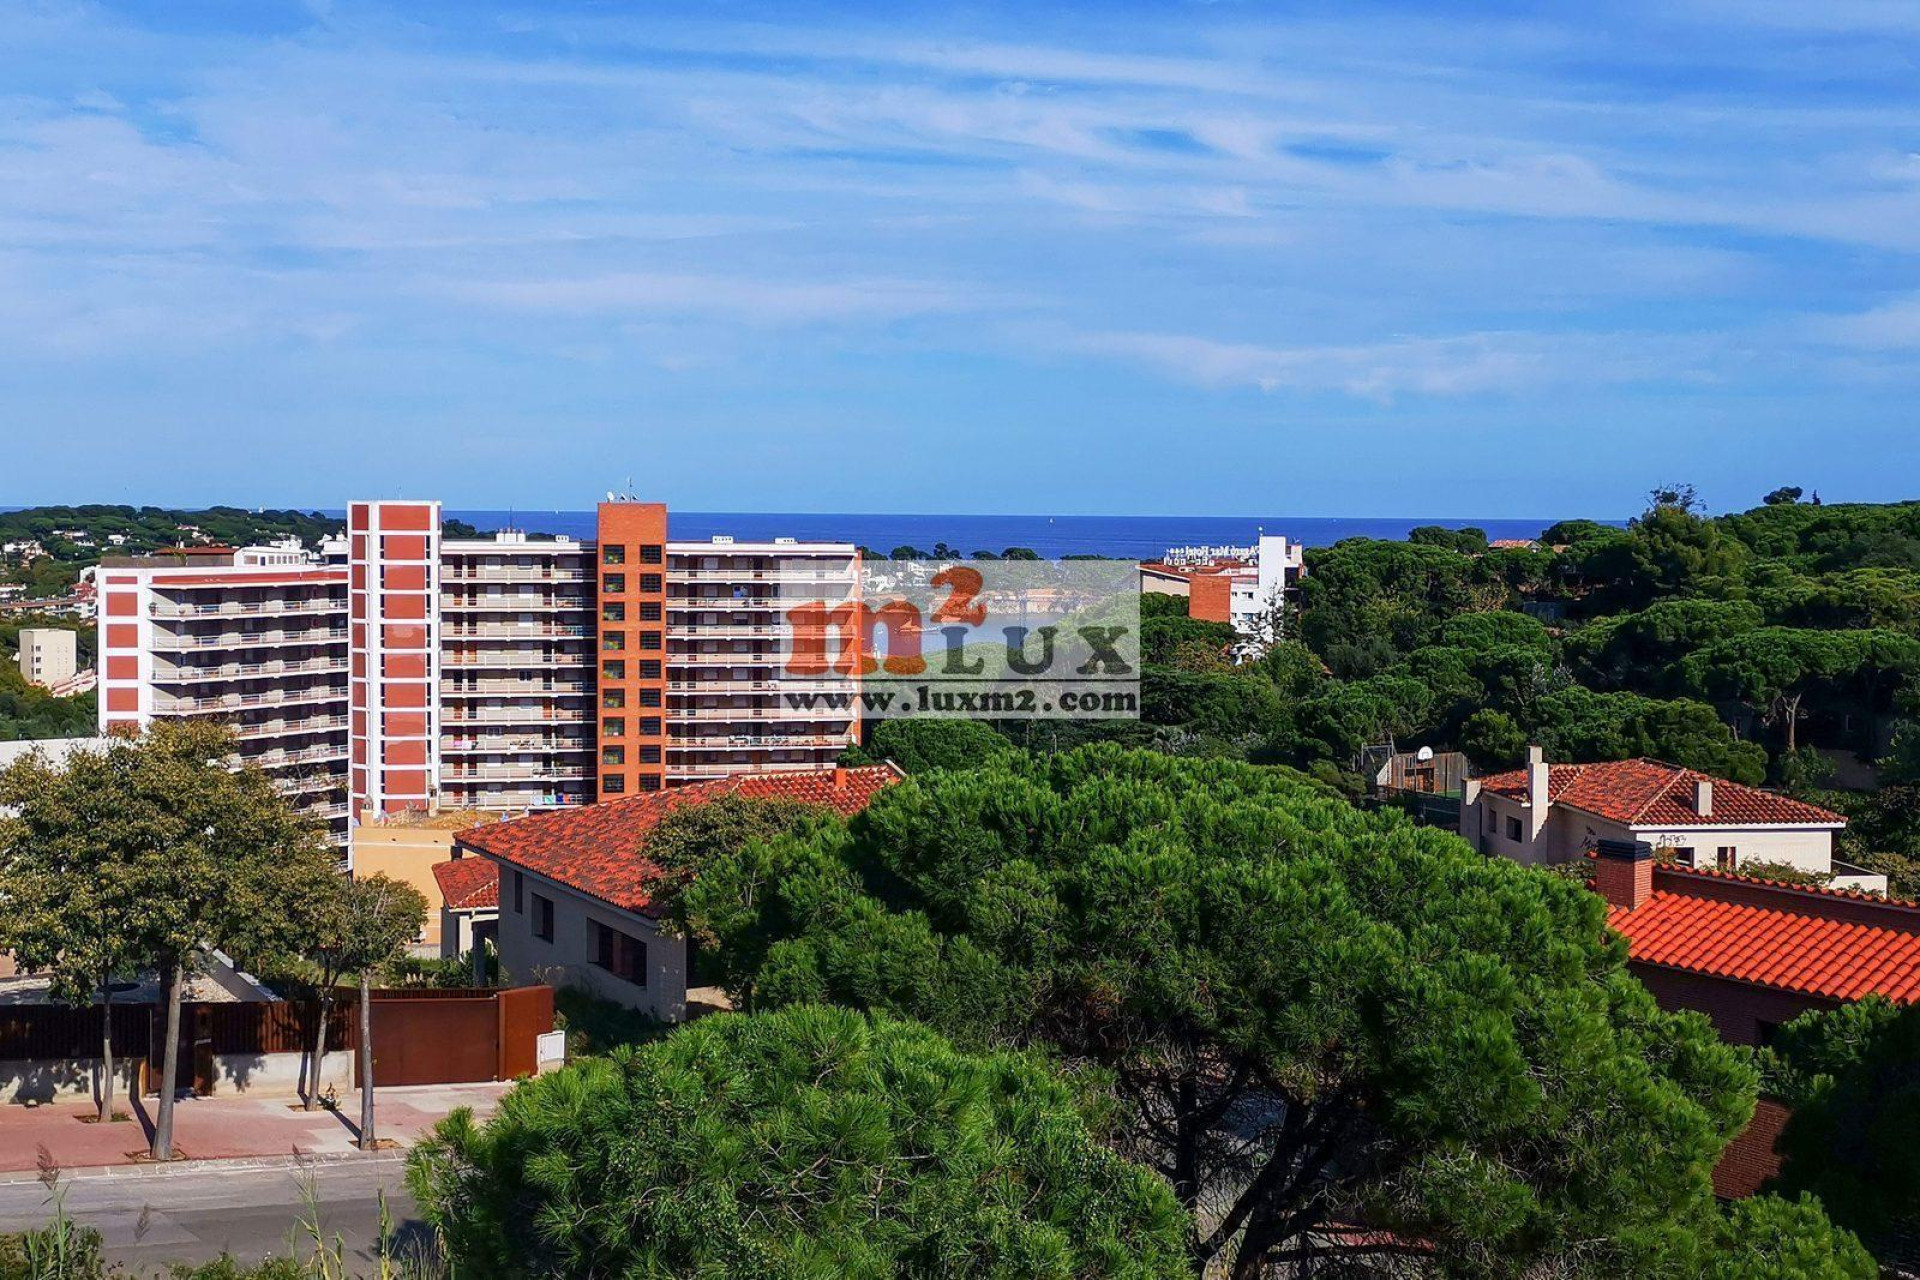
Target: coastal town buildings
(1548,813)
(396,671)
(1248,587)
(576,896)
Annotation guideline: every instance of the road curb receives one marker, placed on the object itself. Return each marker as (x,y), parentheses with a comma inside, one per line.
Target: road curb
(222,1164)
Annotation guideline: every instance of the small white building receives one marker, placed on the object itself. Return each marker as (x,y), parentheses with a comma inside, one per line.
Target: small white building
(1548,813)
(49,656)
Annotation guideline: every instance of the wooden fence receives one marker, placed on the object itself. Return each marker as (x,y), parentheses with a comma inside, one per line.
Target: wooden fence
(420,1036)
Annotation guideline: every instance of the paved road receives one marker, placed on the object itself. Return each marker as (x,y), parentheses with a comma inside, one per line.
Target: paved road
(150,1220)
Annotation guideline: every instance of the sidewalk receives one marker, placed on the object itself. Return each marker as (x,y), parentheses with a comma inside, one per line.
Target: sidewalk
(224,1128)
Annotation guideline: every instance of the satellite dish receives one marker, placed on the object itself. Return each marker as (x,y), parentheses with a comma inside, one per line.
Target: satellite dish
(1423,755)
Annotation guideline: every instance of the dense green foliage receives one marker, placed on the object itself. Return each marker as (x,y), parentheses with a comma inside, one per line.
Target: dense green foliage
(810,1142)
(1401,1031)
(1852,1076)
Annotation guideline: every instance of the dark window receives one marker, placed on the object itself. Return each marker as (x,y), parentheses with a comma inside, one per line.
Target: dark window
(613,671)
(613,555)
(1493,820)
(650,584)
(614,611)
(1513,828)
(651,553)
(623,956)
(614,755)
(613,699)
(649,668)
(649,697)
(614,727)
(649,782)
(519,890)
(613,785)
(1726,857)
(649,611)
(543,917)
(614,641)
(1684,856)
(649,726)
(650,754)
(614,584)
(1764,1032)
(649,639)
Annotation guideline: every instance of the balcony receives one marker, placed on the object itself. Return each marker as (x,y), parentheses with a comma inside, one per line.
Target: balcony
(246,608)
(513,630)
(503,744)
(516,715)
(840,574)
(511,772)
(287,728)
(574,576)
(528,603)
(516,658)
(248,670)
(230,702)
(279,759)
(744,742)
(165,642)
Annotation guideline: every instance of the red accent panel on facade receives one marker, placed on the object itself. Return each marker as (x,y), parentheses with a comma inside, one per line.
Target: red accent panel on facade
(406,724)
(403,637)
(405,666)
(409,608)
(359,577)
(123,635)
(408,753)
(359,664)
(403,546)
(360,724)
(123,666)
(357,515)
(123,604)
(406,782)
(407,695)
(404,577)
(123,699)
(407,515)
(1210,597)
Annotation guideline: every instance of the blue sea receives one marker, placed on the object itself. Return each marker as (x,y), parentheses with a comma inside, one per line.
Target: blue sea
(1127,537)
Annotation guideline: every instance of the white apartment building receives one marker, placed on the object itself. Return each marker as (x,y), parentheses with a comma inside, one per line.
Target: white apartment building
(48,656)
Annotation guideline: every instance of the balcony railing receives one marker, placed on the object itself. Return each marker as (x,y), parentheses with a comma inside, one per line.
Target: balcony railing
(248,670)
(528,603)
(166,642)
(247,701)
(245,608)
(513,630)
(843,573)
(742,742)
(287,728)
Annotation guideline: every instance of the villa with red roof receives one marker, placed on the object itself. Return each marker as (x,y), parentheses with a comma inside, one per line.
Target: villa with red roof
(1753,954)
(576,890)
(1550,813)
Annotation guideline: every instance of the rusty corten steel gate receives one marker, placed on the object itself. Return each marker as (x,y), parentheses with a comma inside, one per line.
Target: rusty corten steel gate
(457,1037)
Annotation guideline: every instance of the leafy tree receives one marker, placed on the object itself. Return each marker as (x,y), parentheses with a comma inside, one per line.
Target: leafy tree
(1641,651)
(1786,495)
(377,918)
(209,853)
(1775,670)
(1161,636)
(1468,540)
(919,745)
(69,913)
(1770,1238)
(1492,739)
(810,1142)
(1312,1015)
(1579,724)
(1852,1076)
(692,837)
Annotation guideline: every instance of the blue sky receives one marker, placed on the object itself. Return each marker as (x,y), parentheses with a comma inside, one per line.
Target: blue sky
(1341,259)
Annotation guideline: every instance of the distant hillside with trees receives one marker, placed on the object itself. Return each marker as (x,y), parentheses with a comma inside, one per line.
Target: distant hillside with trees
(71,538)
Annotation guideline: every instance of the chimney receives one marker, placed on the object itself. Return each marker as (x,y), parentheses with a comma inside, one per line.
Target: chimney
(839,778)
(1623,873)
(1703,797)
(1537,785)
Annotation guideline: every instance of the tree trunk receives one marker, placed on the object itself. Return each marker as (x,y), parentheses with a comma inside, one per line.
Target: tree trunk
(366,1060)
(1793,724)
(319,1051)
(162,1149)
(106,1048)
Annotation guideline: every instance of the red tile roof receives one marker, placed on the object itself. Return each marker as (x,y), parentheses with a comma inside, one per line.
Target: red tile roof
(1821,942)
(468,884)
(600,849)
(1649,793)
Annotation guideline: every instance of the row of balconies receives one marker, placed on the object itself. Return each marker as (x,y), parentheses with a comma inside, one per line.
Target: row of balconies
(501,744)
(168,641)
(243,701)
(736,741)
(248,608)
(514,688)
(246,670)
(527,603)
(306,755)
(516,715)
(574,573)
(514,630)
(834,572)
(287,728)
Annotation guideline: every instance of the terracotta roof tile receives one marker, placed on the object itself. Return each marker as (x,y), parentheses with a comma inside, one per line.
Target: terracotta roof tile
(1649,793)
(600,849)
(468,884)
(1832,943)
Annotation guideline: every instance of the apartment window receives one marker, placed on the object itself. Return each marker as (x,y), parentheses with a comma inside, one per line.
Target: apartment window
(649,782)
(613,755)
(519,894)
(1684,856)
(649,668)
(1513,828)
(650,754)
(615,727)
(620,955)
(649,611)
(649,697)
(614,584)
(613,784)
(1493,821)
(649,726)
(650,584)
(613,555)
(543,917)
(613,611)
(613,699)
(652,553)
(650,640)
(1726,857)
(613,671)
(614,641)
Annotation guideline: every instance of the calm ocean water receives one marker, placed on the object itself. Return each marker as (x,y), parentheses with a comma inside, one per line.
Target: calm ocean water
(1130,537)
